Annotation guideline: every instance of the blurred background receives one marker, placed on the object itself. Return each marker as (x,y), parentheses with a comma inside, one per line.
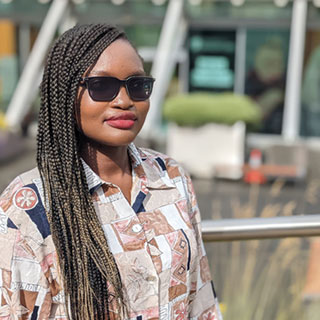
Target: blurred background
(236,101)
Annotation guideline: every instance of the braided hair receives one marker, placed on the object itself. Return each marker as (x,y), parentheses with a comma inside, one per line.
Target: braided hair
(87,266)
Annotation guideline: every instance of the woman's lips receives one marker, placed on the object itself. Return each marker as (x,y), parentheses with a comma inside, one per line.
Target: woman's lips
(122,121)
(121,124)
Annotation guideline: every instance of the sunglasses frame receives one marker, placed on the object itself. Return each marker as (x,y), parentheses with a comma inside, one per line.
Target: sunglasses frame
(86,82)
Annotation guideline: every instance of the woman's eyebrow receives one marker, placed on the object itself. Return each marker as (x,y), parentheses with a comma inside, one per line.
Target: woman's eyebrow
(107,74)
(139,73)
(99,73)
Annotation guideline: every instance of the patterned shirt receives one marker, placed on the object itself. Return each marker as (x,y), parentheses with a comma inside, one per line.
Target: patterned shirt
(155,239)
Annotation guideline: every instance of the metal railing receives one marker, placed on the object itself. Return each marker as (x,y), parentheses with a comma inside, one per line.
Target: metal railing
(261,228)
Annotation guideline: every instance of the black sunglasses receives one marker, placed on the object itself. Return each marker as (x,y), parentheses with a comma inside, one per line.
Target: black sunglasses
(139,88)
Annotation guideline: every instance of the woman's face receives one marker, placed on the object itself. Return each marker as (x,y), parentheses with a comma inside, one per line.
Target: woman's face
(116,122)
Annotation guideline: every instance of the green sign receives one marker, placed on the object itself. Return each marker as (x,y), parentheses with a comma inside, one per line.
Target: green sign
(212,72)
(211,56)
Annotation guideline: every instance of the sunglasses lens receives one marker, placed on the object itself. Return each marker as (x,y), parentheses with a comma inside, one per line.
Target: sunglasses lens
(140,88)
(103,88)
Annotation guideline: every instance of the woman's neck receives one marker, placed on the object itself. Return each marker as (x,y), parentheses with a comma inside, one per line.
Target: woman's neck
(109,162)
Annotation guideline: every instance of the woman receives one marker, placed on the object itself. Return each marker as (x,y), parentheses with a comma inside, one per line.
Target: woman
(100,229)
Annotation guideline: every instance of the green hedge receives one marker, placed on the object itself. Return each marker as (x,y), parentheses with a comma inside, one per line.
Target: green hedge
(196,109)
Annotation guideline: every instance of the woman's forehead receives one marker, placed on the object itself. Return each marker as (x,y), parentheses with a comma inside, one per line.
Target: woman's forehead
(118,57)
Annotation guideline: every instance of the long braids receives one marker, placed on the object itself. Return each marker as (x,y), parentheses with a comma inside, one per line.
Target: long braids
(87,265)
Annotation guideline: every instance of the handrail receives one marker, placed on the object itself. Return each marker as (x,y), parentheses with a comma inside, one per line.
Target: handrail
(261,228)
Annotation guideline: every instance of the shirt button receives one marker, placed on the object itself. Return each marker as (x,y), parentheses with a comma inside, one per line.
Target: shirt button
(151,278)
(137,228)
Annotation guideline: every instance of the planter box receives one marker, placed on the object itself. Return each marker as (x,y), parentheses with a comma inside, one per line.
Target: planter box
(212,150)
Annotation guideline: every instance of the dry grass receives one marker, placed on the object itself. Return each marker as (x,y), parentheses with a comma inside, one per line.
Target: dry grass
(264,279)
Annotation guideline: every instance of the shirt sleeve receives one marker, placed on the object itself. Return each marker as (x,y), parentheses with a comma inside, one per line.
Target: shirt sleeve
(204,303)
(24,290)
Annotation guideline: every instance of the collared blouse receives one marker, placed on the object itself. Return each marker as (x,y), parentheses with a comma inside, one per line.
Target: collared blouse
(156,242)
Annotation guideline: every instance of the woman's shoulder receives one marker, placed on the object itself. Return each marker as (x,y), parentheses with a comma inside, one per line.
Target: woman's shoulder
(157,156)
(22,180)
(22,209)
(164,161)
(22,193)
(27,176)
(153,155)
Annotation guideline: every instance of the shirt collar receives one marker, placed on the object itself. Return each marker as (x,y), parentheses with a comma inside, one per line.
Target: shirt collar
(150,168)
(93,180)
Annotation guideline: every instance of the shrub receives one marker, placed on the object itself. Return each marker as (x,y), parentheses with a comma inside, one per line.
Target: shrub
(196,109)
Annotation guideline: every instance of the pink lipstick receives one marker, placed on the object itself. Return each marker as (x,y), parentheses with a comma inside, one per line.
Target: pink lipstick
(124,120)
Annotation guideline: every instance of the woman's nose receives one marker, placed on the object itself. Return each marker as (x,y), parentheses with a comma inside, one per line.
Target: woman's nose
(122,100)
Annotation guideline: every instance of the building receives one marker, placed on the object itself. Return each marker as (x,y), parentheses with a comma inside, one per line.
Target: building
(266,49)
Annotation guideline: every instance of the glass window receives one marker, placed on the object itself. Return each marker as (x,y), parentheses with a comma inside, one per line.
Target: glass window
(310,94)
(266,61)
(250,10)
(247,44)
